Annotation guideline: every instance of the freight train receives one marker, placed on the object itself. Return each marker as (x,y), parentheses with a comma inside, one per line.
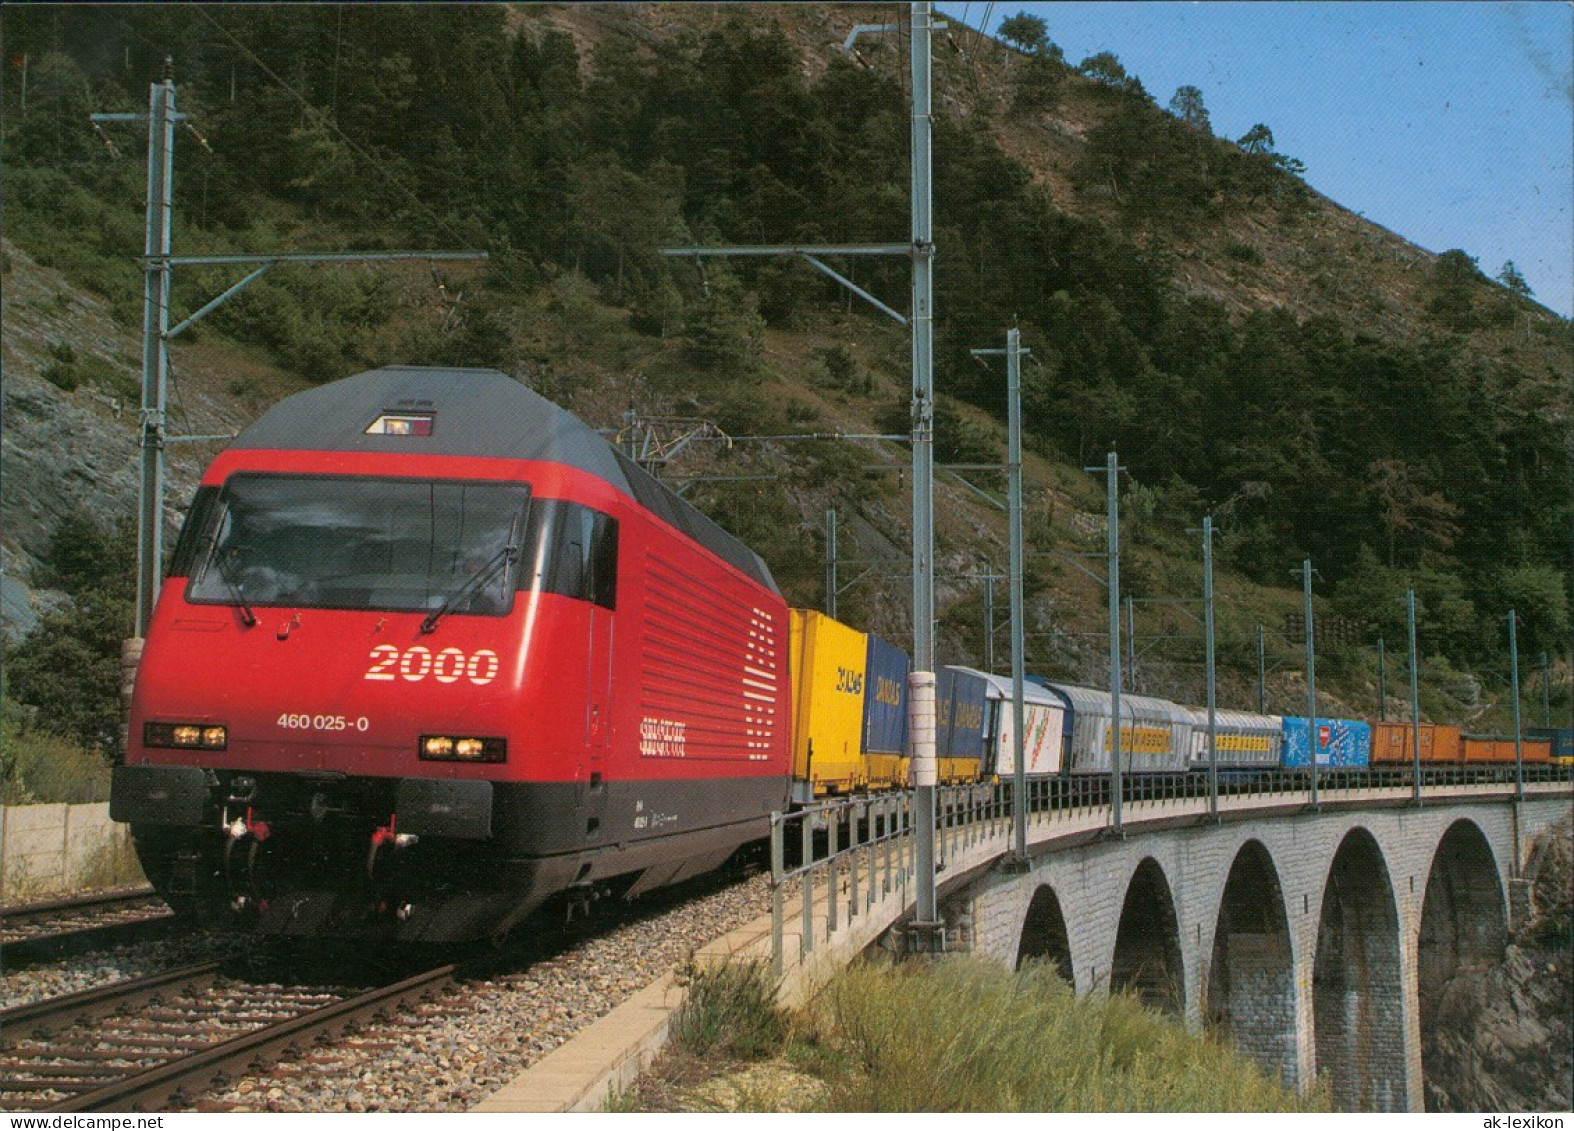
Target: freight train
(430,652)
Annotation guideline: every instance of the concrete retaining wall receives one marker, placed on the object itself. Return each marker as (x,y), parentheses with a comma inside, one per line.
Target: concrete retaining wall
(52,849)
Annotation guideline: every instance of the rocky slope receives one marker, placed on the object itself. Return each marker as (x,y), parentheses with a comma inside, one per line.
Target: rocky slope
(66,451)
(1504,1037)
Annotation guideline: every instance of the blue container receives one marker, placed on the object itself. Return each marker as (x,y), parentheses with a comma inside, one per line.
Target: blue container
(1562,739)
(885,698)
(1341,743)
(959,714)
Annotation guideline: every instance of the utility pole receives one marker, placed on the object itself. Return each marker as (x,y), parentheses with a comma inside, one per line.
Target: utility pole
(1112,506)
(1415,695)
(1014,353)
(830,562)
(1382,681)
(1262,674)
(155,345)
(1311,678)
(989,619)
(158,264)
(923,251)
(1213,721)
(1018,646)
(1546,691)
(1513,664)
(161,118)
(1112,470)
(1131,641)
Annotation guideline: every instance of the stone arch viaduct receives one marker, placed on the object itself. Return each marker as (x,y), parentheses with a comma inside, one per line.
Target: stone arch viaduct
(1316,938)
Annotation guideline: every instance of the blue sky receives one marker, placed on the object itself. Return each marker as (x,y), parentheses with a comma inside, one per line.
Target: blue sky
(1449,122)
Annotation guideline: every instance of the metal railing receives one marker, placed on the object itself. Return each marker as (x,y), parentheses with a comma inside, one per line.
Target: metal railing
(867,840)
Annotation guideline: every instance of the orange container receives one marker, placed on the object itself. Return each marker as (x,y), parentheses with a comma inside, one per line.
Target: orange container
(1392,743)
(1481,748)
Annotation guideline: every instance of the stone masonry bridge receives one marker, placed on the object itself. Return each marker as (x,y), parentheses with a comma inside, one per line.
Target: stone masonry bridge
(1316,939)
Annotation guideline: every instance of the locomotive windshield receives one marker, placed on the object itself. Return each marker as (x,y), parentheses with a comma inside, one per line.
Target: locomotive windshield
(361,543)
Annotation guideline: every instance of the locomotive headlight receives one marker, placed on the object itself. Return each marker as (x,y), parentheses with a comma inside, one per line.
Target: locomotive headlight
(447,748)
(185,736)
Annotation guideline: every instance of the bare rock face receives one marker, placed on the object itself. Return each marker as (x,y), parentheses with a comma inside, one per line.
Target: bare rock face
(1504,1037)
(70,451)
(61,449)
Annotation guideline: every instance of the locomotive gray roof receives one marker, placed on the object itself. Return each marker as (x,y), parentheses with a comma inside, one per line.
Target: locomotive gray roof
(476,412)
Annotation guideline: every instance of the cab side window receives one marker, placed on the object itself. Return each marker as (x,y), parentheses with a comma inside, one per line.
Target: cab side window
(572,550)
(603,559)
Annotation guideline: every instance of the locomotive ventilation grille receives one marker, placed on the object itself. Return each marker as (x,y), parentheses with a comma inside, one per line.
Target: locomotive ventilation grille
(711,686)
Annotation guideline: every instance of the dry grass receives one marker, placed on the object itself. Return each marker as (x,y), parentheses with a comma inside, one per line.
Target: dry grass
(39,768)
(958,1034)
(962,1034)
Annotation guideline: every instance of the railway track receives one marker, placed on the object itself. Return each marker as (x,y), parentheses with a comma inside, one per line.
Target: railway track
(142,1044)
(39,932)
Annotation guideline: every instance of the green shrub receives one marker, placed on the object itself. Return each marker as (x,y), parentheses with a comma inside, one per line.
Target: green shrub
(68,669)
(62,376)
(1244,252)
(730,1011)
(725,332)
(39,767)
(68,371)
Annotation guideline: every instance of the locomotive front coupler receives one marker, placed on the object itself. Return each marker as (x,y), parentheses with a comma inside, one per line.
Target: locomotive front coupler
(580,896)
(254,830)
(385,835)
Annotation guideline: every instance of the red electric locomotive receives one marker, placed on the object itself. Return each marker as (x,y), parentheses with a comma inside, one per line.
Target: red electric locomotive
(430,652)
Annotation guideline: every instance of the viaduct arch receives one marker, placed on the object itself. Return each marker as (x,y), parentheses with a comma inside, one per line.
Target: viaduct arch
(1250,992)
(1318,942)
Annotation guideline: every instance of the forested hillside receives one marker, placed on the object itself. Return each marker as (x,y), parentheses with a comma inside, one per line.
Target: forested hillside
(1320,387)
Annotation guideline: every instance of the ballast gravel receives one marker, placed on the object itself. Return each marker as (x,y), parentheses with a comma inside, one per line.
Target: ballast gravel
(28,984)
(450,1054)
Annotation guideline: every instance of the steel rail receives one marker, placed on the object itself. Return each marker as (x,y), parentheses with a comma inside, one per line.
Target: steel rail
(12,911)
(27,934)
(154,1087)
(78,940)
(55,1014)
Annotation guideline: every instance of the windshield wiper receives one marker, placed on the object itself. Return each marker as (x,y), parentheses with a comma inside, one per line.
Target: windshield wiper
(232,583)
(495,565)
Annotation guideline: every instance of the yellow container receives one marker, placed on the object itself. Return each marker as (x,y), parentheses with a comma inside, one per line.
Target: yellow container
(828,680)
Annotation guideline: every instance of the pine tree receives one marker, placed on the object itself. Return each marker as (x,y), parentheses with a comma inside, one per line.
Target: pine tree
(1513,280)
(1187,106)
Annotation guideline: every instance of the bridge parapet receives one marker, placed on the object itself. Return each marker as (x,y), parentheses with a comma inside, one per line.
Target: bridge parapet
(1276,984)
(863,845)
